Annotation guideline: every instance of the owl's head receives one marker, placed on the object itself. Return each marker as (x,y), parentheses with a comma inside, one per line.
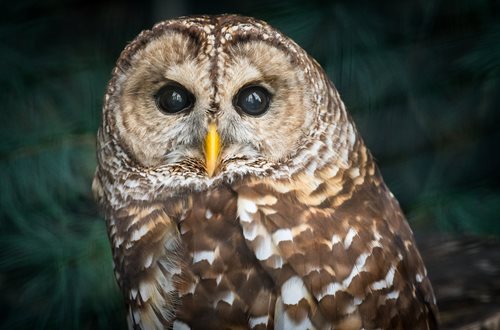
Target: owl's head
(210,95)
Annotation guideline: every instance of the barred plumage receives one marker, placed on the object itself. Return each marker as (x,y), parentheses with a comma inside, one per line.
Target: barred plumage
(295,229)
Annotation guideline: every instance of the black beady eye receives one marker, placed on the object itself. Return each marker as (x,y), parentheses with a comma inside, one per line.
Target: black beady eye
(253,100)
(173,98)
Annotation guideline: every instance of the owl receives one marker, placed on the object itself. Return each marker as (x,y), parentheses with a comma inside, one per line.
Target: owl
(238,193)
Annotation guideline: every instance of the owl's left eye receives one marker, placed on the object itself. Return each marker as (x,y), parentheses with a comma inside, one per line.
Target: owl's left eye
(173,98)
(253,100)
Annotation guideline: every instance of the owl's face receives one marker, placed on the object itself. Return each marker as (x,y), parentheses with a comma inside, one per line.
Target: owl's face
(184,83)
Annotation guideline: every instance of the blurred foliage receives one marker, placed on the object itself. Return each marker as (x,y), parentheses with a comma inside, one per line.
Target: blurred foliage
(421,78)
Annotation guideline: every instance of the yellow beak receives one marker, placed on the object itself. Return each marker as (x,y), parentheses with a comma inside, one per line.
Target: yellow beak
(212,149)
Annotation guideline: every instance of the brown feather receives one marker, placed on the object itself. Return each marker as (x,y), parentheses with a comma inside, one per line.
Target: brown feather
(296,229)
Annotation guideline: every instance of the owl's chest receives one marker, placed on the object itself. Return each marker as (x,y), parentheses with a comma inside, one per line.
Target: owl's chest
(221,276)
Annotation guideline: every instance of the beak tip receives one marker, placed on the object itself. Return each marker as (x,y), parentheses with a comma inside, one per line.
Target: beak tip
(210,172)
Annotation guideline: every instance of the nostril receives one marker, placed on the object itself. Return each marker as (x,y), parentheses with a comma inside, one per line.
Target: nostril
(214,107)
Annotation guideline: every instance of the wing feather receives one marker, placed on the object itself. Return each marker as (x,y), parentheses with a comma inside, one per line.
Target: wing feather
(349,260)
(146,253)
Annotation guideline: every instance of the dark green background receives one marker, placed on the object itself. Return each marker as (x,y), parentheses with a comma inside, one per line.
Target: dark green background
(421,78)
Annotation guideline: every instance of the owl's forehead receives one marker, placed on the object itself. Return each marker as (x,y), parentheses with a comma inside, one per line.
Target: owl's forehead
(208,38)
(213,56)
(219,32)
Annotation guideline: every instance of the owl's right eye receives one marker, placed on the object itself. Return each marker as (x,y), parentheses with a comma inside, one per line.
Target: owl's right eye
(173,98)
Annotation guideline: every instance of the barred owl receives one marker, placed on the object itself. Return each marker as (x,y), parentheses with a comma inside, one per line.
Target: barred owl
(239,194)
